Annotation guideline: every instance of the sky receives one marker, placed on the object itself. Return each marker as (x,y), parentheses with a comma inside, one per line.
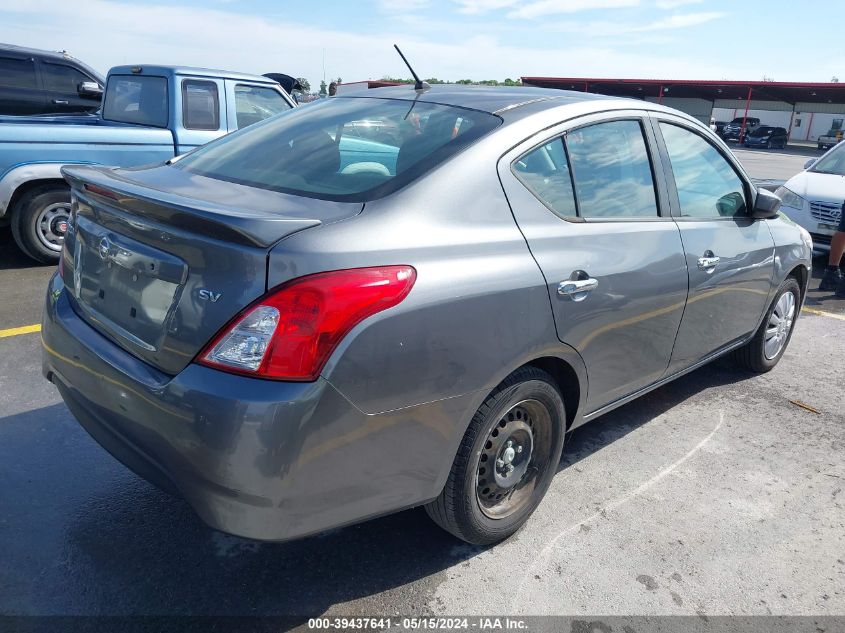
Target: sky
(447,39)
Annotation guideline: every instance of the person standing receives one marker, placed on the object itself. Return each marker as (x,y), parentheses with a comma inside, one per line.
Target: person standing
(833,279)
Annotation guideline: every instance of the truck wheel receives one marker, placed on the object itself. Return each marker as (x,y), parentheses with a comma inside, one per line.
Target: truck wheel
(39,222)
(763,351)
(506,461)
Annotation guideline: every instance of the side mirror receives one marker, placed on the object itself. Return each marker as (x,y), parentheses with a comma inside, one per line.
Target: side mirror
(809,163)
(766,205)
(90,89)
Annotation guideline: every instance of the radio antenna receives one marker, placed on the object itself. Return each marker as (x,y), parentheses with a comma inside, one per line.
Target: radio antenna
(419,84)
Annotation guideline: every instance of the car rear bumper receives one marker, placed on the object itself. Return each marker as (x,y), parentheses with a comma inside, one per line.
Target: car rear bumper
(261,459)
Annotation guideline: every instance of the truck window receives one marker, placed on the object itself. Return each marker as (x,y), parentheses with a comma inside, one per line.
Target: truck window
(256,103)
(61,78)
(200,105)
(139,99)
(17,73)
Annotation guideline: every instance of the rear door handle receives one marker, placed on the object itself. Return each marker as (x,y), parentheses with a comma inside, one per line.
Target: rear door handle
(60,101)
(577,289)
(708,262)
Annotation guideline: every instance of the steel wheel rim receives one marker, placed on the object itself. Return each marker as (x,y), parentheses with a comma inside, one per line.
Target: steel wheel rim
(779,325)
(51,225)
(513,459)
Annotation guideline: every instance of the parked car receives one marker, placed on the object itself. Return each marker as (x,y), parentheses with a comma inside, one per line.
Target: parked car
(296,334)
(732,130)
(814,197)
(150,114)
(45,82)
(833,137)
(767,136)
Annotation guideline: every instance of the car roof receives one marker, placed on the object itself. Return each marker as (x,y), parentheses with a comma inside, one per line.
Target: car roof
(167,71)
(53,55)
(493,99)
(22,50)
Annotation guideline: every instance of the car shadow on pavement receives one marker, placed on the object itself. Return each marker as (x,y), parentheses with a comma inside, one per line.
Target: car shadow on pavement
(587,439)
(11,256)
(89,537)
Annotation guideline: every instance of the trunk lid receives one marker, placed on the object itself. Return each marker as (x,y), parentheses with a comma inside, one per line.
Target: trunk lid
(158,259)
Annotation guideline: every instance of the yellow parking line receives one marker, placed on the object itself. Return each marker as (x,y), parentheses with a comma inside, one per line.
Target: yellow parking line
(26,329)
(832,315)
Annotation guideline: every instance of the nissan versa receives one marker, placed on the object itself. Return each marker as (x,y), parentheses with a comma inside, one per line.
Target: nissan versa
(295,333)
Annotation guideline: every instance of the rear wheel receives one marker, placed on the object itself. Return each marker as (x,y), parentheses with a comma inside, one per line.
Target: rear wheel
(40,220)
(506,460)
(764,351)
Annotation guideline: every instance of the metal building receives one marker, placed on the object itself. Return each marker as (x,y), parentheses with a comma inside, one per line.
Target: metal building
(807,110)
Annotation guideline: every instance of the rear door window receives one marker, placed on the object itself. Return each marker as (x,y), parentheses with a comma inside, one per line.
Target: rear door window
(612,171)
(17,73)
(200,105)
(139,99)
(256,103)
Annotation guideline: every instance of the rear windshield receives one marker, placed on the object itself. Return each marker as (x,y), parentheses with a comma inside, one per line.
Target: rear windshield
(346,149)
(140,99)
(763,131)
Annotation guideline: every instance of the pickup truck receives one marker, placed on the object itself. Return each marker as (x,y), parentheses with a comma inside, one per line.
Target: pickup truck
(150,114)
(833,137)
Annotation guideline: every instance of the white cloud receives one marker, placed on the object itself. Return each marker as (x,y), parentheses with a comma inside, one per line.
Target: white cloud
(403,6)
(474,7)
(682,21)
(605,29)
(542,8)
(539,8)
(674,4)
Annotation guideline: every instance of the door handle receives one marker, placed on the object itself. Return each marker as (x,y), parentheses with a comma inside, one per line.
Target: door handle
(708,262)
(577,289)
(60,101)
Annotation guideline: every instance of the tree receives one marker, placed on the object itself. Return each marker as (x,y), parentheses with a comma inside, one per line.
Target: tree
(306,85)
(323,91)
(834,80)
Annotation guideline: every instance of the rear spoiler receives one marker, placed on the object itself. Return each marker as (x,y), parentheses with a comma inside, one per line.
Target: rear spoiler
(235,224)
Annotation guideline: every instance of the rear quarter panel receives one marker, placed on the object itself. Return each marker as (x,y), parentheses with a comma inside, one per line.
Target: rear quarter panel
(479,307)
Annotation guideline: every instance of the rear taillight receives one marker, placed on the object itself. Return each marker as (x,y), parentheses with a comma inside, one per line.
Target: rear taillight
(290,333)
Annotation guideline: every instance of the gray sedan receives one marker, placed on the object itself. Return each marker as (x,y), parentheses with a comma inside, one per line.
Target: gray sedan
(297,328)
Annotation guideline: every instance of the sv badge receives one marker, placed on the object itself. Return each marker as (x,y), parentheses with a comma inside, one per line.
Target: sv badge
(209,295)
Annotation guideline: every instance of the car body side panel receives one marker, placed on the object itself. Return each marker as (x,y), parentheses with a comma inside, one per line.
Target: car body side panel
(478,306)
(725,304)
(788,254)
(625,329)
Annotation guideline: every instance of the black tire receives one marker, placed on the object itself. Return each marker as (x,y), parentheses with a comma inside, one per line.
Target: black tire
(25,221)
(752,356)
(459,509)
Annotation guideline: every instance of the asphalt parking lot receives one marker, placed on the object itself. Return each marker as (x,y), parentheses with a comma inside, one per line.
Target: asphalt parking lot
(719,494)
